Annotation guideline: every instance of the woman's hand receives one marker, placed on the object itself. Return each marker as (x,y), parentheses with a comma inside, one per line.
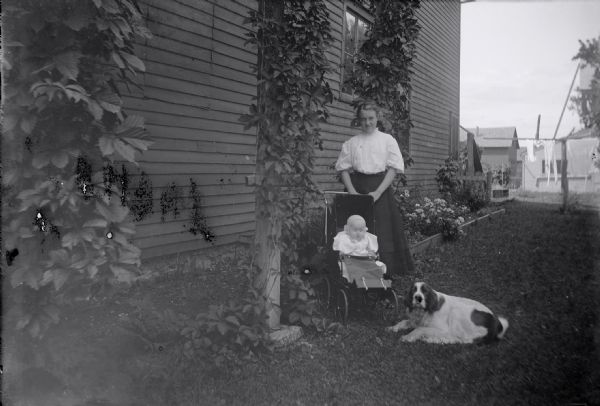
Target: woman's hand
(376,195)
(385,183)
(348,183)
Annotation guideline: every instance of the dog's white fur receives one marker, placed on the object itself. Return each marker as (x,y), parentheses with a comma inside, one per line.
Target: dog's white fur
(443,319)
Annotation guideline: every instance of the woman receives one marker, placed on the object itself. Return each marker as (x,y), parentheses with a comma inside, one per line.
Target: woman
(368,164)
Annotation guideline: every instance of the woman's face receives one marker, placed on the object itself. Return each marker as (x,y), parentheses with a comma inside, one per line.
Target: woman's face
(368,121)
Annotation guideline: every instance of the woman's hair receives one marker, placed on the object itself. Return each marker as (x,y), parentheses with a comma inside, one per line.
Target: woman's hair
(368,105)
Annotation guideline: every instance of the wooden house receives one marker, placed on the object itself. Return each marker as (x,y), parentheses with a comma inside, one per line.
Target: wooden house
(499,146)
(198,81)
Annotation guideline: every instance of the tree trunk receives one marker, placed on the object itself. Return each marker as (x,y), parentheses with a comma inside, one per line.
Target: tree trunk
(268,223)
(268,261)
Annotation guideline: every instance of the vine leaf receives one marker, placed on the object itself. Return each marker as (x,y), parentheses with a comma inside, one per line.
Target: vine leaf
(67,64)
(99,223)
(138,143)
(60,159)
(78,20)
(126,151)
(106,145)
(122,274)
(110,102)
(57,276)
(95,109)
(134,61)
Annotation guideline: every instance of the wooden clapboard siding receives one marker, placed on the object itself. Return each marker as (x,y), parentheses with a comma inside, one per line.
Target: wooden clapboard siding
(435,89)
(435,92)
(198,81)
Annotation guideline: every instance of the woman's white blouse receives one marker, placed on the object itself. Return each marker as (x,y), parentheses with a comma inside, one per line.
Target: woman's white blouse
(370,154)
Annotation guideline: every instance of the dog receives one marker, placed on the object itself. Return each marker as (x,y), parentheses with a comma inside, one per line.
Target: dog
(443,319)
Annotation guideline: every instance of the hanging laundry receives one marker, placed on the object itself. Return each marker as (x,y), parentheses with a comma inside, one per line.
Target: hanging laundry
(532,147)
(550,161)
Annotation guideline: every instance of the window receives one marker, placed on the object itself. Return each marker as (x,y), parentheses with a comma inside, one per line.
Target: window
(558,167)
(355,33)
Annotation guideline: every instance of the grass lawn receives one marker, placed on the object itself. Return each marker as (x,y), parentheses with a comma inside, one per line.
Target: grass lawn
(535,266)
(575,199)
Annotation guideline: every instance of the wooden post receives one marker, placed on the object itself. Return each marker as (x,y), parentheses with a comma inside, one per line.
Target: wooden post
(488,183)
(470,154)
(564,181)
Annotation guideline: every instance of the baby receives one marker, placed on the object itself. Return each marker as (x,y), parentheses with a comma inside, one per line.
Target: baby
(355,240)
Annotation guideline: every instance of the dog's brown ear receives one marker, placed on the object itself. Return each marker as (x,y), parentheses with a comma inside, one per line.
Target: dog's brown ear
(432,301)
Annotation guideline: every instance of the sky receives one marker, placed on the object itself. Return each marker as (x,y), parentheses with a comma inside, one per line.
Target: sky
(516,62)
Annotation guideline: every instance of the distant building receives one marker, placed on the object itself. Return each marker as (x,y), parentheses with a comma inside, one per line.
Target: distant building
(583,175)
(498,147)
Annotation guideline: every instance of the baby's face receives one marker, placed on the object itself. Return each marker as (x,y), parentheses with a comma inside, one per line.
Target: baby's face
(357,231)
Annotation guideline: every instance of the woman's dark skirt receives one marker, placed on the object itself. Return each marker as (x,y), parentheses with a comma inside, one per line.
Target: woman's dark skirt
(389,225)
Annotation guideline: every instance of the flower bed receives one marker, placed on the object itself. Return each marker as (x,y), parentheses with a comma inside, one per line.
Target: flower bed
(426,217)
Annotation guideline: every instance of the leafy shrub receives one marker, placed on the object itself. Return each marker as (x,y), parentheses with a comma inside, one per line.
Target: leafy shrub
(300,305)
(436,216)
(227,333)
(472,194)
(222,336)
(63,64)
(447,176)
(304,247)
(301,242)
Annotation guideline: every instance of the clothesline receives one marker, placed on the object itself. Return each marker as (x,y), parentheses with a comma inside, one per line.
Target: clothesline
(526,139)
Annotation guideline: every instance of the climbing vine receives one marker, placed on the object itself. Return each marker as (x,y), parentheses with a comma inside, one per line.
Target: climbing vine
(64,64)
(143,198)
(198,223)
(383,66)
(291,38)
(170,201)
(293,96)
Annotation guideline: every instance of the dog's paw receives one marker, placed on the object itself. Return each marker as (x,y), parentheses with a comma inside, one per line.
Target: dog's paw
(403,325)
(408,338)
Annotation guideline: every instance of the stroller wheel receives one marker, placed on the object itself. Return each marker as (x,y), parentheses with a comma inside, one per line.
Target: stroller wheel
(341,306)
(390,306)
